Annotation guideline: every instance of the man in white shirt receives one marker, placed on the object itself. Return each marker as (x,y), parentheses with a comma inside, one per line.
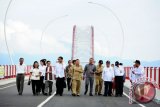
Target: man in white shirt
(139,70)
(121,67)
(108,76)
(42,69)
(20,71)
(119,75)
(60,76)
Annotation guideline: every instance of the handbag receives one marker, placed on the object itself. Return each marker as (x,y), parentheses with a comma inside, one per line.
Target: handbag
(64,84)
(29,82)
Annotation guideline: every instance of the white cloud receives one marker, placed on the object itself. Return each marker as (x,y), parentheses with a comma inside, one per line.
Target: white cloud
(140,20)
(22,38)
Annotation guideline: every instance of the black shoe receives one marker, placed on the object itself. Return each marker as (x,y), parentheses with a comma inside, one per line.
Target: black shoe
(56,94)
(85,92)
(50,93)
(109,95)
(90,94)
(45,94)
(20,93)
(116,95)
(120,95)
(99,94)
(61,94)
(73,94)
(105,95)
(78,95)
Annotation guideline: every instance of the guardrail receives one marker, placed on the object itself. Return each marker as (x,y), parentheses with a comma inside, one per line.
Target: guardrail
(10,71)
(150,72)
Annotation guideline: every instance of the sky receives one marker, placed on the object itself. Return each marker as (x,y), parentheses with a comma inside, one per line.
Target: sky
(27,20)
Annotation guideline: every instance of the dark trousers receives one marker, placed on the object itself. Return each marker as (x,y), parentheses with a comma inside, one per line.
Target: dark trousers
(89,80)
(107,88)
(119,85)
(35,86)
(42,85)
(59,85)
(48,84)
(69,83)
(20,83)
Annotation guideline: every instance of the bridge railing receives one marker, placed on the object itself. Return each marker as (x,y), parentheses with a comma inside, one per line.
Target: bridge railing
(150,72)
(10,71)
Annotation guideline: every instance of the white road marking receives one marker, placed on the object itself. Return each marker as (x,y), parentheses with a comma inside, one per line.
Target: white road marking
(9,86)
(134,100)
(46,100)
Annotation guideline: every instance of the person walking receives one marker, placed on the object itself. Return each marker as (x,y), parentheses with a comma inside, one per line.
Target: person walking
(69,74)
(42,69)
(35,78)
(89,71)
(60,76)
(98,77)
(77,72)
(108,78)
(119,79)
(48,79)
(20,71)
(113,83)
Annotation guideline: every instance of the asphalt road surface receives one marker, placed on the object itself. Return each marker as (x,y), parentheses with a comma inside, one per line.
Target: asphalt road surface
(10,98)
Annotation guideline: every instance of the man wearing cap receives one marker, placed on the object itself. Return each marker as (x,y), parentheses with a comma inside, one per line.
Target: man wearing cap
(136,73)
(108,77)
(98,77)
(119,74)
(139,70)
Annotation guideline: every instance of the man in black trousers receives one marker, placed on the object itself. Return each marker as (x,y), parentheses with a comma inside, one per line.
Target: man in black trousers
(60,76)
(119,76)
(69,74)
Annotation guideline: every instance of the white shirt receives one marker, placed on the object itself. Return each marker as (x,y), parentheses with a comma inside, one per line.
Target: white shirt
(118,71)
(108,74)
(131,75)
(59,70)
(35,74)
(20,69)
(42,69)
(139,72)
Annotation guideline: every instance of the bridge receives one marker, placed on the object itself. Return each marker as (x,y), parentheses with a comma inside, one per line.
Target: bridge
(9,97)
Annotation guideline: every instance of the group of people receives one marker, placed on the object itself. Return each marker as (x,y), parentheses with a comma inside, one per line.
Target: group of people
(107,74)
(38,74)
(71,76)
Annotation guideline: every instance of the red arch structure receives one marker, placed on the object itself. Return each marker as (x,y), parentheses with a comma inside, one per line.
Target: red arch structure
(83,43)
